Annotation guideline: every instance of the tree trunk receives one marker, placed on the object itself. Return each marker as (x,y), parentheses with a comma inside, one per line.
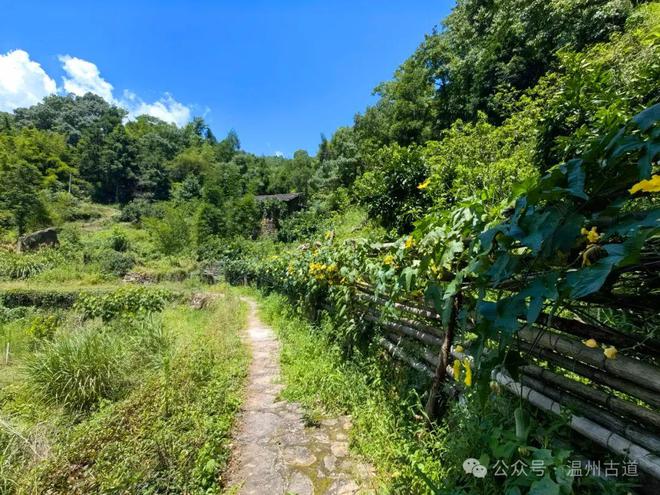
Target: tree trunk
(433,410)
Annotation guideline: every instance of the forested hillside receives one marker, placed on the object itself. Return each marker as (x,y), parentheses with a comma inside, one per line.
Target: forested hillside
(500,192)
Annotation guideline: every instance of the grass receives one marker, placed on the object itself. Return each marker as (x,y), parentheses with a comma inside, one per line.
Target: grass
(116,408)
(135,404)
(79,370)
(97,256)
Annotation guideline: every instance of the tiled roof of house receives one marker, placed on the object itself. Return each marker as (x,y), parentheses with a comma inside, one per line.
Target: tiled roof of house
(278,197)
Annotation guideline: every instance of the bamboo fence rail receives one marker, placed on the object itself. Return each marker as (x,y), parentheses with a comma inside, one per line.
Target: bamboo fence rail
(613,402)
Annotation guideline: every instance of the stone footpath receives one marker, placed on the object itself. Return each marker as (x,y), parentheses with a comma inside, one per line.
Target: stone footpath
(274,452)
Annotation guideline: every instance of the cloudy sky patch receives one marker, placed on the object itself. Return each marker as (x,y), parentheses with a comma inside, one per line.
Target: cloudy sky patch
(23,82)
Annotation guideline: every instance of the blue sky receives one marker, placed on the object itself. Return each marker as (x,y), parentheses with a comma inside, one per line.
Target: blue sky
(279,72)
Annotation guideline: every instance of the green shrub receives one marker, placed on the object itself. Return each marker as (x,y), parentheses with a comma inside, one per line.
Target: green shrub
(25,265)
(118,241)
(65,207)
(79,370)
(43,327)
(115,263)
(210,222)
(129,302)
(17,267)
(134,211)
(300,225)
(69,235)
(171,233)
(17,298)
(8,314)
(390,190)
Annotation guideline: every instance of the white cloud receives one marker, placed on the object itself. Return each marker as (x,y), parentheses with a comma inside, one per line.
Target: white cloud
(84,77)
(22,81)
(167,108)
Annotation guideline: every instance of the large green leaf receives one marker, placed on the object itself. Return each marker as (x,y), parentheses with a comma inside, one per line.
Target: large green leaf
(590,279)
(544,486)
(648,118)
(576,177)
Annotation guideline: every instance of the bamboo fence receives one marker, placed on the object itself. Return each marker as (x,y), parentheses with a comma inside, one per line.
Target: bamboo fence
(612,402)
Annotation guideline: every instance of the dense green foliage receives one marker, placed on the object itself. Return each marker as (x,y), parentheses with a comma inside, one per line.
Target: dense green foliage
(531,197)
(509,168)
(389,425)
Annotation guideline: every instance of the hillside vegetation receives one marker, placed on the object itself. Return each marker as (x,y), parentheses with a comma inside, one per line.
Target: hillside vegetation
(505,180)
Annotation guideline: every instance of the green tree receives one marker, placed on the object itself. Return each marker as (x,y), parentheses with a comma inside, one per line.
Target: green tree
(19,195)
(390,192)
(228,147)
(243,217)
(171,232)
(46,150)
(481,159)
(109,163)
(484,51)
(209,223)
(196,160)
(70,115)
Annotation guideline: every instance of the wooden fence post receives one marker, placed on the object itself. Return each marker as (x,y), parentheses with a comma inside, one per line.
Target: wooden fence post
(433,402)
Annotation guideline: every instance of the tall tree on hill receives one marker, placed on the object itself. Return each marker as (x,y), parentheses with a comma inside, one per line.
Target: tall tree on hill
(109,163)
(228,147)
(486,55)
(19,195)
(71,115)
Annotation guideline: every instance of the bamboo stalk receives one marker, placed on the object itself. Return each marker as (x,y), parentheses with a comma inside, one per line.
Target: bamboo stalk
(618,425)
(417,325)
(649,303)
(399,353)
(412,302)
(424,313)
(405,330)
(600,416)
(647,461)
(645,374)
(602,334)
(596,396)
(593,374)
(420,326)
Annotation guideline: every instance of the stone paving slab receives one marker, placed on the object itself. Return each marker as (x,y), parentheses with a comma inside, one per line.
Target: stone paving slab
(274,452)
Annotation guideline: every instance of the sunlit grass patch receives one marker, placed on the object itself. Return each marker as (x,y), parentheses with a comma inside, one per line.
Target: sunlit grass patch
(149,404)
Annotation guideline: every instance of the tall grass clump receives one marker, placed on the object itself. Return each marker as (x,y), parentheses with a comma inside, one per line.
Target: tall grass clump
(171,433)
(16,266)
(79,370)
